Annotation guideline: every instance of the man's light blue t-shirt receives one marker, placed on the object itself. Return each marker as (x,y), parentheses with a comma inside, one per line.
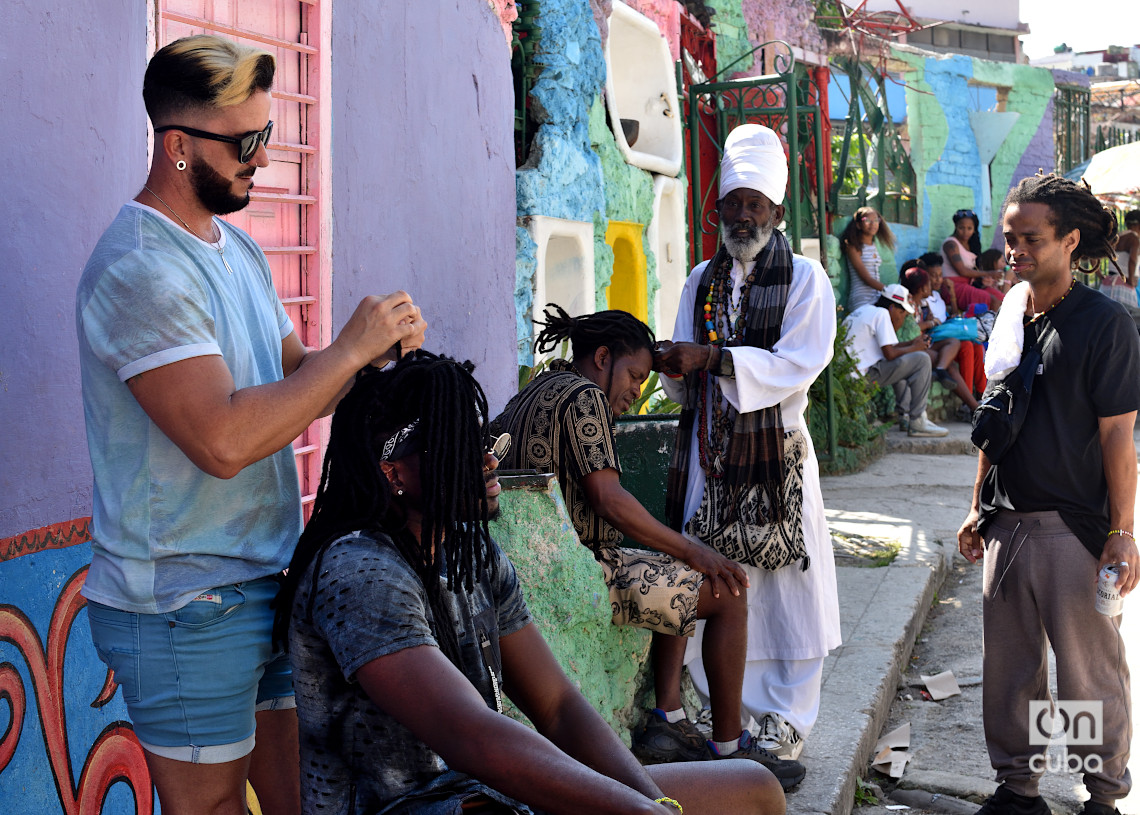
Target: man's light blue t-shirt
(163,530)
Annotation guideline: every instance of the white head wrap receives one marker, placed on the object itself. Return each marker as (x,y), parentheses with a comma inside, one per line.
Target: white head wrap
(754,158)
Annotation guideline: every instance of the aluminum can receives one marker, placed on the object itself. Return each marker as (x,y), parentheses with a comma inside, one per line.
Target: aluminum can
(1108,599)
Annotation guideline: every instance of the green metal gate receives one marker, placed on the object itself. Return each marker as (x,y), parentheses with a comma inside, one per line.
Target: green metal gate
(786,99)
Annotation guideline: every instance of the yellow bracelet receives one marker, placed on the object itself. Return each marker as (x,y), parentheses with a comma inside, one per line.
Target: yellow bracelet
(1123,532)
(671,802)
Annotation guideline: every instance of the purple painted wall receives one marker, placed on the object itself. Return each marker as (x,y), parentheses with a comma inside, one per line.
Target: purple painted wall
(71,74)
(1040,152)
(423,175)
(1038,155)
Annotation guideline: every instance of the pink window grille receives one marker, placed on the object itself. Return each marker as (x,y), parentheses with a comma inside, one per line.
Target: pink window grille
(285,212)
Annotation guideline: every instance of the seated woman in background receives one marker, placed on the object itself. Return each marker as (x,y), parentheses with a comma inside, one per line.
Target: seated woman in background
(959,255)
(863,260)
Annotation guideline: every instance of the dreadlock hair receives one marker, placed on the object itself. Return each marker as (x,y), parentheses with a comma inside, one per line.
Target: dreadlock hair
(617,330)
(1071,206)
(354,493)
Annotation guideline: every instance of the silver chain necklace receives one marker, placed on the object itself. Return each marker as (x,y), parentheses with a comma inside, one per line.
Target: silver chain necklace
(216,244)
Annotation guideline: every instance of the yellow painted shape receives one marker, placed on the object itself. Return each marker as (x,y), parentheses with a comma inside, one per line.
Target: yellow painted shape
(629,286)
(628,289)
(251,801)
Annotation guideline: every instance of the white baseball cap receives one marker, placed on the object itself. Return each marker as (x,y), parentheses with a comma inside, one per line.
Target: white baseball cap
(898,295)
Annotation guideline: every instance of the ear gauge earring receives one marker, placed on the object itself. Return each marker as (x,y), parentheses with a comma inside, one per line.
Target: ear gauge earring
(180,164)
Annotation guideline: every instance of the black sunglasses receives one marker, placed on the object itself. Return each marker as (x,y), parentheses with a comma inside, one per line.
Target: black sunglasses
(959,215)
(247,144)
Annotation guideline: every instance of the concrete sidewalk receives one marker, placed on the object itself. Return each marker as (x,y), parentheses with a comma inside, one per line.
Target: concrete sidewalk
(917,495)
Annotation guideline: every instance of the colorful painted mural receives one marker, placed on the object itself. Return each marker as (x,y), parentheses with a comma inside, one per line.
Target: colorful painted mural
(953,107)
(588,232)
(975,128)
(67,745)
(617,175)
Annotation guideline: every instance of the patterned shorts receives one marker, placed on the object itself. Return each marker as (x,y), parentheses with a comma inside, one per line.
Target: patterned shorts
(650,589)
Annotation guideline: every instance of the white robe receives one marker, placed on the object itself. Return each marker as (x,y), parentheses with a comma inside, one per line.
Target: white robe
(793,614)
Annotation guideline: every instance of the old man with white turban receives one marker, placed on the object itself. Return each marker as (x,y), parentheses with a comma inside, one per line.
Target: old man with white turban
(754,329)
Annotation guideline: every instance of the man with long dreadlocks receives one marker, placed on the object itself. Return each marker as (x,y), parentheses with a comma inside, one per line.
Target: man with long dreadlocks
(406,625)
(563,422)
(755,327)
(1059,505)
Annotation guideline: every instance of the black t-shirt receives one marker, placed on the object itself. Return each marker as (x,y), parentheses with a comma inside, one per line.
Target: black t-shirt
(1091,369)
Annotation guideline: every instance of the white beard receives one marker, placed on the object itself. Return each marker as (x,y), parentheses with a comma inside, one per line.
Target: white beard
(746,249)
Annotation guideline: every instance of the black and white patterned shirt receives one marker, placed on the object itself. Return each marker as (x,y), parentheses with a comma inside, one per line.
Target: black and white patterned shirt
(562,423)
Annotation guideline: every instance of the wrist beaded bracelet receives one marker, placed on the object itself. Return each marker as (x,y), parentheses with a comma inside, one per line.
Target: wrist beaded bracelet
(669,802)
(1122,532)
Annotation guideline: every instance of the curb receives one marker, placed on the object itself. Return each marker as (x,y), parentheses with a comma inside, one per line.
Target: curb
(882,611)
(864,675)
(958,441)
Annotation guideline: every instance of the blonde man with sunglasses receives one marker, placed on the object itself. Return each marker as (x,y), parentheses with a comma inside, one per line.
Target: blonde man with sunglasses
(194,386)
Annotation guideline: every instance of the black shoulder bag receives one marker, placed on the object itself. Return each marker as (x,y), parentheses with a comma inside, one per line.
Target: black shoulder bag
(1000,415)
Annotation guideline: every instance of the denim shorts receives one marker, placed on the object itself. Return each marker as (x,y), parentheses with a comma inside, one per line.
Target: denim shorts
(193,678)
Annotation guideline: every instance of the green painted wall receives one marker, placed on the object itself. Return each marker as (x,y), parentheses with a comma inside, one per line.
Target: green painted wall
(1031,89)
(944,201)
(731,36)
(928,129)
(568,598)
(629,197)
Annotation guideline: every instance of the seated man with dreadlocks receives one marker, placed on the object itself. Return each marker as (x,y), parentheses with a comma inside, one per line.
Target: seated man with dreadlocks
(563,422)
(407,621)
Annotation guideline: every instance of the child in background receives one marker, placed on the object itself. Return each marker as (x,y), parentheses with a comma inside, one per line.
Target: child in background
(863,260)
(991,263)
(931,263)
(942,352)
(971,355)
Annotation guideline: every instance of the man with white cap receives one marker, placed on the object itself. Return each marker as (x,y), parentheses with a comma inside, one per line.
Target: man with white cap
(885,361)
(754,329)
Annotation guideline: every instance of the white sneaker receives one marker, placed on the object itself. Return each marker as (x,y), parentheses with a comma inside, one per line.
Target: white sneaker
(704,722)
(778,737)
(922,426)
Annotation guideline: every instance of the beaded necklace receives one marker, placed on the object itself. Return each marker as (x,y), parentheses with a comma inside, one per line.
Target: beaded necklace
(1041,314)
(711,446)
(718,304)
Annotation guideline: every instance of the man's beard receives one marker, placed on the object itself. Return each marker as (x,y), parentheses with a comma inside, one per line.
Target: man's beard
(747,248)
(214,190)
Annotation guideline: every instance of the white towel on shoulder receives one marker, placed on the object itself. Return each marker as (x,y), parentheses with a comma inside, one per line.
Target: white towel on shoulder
(1008,337)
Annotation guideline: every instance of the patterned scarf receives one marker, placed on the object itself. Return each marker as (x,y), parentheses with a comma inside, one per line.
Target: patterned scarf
(755,454)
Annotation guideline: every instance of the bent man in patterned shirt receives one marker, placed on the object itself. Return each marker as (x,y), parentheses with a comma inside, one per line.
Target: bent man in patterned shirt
(563,422)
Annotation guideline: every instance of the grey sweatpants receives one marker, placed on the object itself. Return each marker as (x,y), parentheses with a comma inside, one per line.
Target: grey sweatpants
(1040,590)
(909,375)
